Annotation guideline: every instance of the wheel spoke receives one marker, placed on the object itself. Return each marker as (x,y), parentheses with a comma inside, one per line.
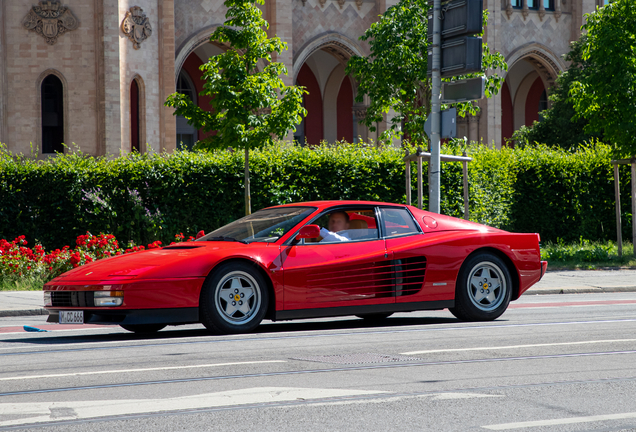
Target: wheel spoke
(248,293)
(476,282)
(491,297)
(230,309)
(236,283)
(226,293)
(479,295)
(245,308)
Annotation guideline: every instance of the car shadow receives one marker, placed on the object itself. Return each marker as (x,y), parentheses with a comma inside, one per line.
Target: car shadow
(266,328)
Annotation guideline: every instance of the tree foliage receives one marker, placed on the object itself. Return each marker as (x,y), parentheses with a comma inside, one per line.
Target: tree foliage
(249,107)
(559,126)
(393,76)
(605,92)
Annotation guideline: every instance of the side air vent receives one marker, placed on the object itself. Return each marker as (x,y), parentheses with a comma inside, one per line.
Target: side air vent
(409,275)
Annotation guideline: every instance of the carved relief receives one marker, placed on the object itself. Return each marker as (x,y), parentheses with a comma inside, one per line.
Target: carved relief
(509,10)
(136,26)
(360,111)
(49,19)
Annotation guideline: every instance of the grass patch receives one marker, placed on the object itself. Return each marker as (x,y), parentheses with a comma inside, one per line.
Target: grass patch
(587,255)
(25,283)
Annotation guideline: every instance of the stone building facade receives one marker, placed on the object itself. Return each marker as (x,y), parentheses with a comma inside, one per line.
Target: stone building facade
(95,73)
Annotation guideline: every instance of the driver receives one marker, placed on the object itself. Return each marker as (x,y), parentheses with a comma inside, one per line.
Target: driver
(338,223)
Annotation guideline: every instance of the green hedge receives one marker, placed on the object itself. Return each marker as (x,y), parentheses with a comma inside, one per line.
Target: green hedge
(150,197)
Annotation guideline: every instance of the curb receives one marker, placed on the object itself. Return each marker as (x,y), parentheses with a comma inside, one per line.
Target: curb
(25,312)
(580,290)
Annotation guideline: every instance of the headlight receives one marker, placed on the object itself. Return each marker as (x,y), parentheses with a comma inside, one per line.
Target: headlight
(108,298)
(47,299)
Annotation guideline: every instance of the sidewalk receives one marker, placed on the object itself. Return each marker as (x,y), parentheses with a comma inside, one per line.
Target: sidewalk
(23,303)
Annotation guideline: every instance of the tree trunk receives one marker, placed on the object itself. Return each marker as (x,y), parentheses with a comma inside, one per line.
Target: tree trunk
(248,198)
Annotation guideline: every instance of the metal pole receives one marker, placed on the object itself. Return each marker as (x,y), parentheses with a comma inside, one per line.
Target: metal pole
(408,183)
(434,162)
(465,172)
(419,181)
(248,198)
(617,193)
(634,206)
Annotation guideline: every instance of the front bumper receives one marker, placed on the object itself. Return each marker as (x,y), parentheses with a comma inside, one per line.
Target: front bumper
(133,316)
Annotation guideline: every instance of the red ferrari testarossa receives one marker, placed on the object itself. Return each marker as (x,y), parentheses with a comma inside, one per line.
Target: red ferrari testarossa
(278,264)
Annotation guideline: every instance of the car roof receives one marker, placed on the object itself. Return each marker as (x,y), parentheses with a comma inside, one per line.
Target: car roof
(331,203)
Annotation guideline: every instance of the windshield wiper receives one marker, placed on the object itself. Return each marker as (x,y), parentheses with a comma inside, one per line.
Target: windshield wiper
(221,238)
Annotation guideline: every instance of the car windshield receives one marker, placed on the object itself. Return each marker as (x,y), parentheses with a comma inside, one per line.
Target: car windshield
(267,225)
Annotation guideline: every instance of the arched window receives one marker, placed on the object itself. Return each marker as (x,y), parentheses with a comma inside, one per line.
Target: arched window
(186,134)
(548,5)
(52,115)
(516,4)
(135,136)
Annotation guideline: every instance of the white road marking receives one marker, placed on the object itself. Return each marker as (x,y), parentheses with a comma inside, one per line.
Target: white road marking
(44,412)
(517,346)
(138,370)
(561,421)
(450,396)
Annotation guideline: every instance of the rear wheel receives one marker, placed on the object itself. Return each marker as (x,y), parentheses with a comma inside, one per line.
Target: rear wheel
(484,288)
(234,299)
(143,328)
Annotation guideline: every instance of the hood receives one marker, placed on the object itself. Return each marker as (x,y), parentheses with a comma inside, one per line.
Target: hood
(176,261)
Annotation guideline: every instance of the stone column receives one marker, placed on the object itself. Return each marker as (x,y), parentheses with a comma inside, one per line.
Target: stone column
(280,15)
(462,127)
(168,122)
(108,79)
(360,112)
(3,73)
(473,128)
(490,129)
(541,10)
(557,10)
(524,9)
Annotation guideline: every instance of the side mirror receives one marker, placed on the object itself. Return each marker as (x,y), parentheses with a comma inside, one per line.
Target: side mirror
(200,234)
(308,232)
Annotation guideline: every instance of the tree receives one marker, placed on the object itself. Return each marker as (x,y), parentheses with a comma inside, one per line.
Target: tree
(249,107)
(605,92)
(559,126)
(394,76)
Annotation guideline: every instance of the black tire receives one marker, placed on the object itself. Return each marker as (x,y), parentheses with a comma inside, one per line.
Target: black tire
(143,328)
(375,316)
(483,290)
(223,306)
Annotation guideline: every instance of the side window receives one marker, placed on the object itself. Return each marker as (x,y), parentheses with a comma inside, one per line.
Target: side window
(350,225)
(398,222)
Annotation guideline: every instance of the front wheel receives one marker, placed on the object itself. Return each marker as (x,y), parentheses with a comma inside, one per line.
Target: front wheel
(484,288)
(234,299)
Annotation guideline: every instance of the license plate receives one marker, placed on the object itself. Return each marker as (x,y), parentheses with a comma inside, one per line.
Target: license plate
(71,317)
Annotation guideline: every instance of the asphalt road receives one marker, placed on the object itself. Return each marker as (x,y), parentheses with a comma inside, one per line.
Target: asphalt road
(552,362)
